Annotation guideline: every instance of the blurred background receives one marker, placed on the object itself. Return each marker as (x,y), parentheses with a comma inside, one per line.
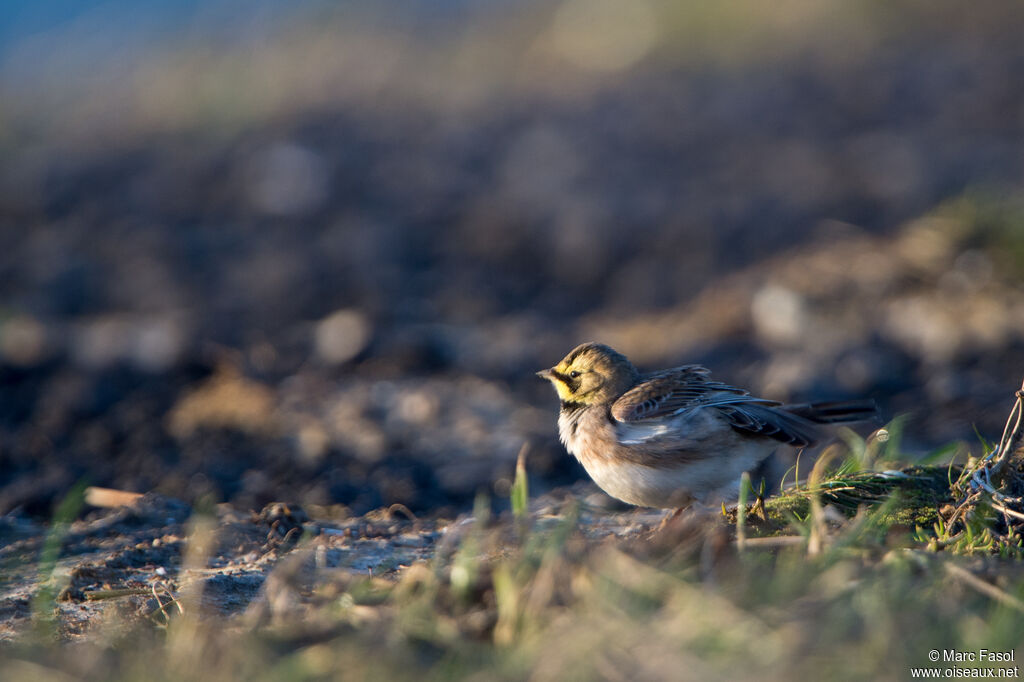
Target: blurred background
(315,251)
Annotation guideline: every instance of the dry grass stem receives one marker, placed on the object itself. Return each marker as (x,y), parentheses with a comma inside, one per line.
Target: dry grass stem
(986,588)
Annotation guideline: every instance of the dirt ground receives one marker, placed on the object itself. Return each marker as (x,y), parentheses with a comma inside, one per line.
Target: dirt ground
(130,565)
(230,278)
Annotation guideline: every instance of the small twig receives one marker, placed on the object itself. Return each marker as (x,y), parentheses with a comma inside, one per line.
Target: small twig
(399,507)
(108,497)
(969,501)
(1011,435)
(1008,511)
(292,532)
(114,593)
(987,477)
(162,607)
(986,588)
(777,541)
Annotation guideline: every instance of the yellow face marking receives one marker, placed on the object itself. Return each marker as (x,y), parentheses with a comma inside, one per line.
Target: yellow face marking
(565,393)
(566,385)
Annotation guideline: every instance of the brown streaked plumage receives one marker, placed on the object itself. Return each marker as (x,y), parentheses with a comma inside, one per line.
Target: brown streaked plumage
(668,438)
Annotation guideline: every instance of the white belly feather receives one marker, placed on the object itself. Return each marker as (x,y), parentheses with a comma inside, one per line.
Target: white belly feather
(707,480)
(711,476)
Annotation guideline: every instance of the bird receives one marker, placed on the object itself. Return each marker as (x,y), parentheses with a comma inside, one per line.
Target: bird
(674,437)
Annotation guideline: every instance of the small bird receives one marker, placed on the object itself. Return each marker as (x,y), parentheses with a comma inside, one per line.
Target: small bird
(673,437)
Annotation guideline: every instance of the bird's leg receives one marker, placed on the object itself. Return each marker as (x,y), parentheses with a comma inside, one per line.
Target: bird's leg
(674,514)
(757,509)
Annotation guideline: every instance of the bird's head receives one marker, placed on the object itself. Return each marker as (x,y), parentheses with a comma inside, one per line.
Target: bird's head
(591,374)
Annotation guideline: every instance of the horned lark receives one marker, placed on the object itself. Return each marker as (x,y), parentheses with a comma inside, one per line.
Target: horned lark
(672,437)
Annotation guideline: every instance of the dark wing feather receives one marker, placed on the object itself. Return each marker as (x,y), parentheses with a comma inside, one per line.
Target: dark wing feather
(666,394)
(671,391)
(766,420)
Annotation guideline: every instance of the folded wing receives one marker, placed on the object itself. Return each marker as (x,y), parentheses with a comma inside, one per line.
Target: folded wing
(679,404)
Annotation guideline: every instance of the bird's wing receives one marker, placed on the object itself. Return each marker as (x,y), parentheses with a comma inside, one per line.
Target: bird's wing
(663,405)
(672,391)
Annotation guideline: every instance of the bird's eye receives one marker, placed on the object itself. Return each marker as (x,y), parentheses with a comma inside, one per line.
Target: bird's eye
(574,374)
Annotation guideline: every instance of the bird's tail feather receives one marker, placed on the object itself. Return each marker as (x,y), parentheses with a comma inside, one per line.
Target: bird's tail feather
(834,412)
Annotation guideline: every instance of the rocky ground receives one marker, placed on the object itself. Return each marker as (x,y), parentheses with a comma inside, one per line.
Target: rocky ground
(134,564)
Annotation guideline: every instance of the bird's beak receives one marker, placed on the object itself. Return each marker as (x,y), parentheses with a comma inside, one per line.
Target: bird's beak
(546,374)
